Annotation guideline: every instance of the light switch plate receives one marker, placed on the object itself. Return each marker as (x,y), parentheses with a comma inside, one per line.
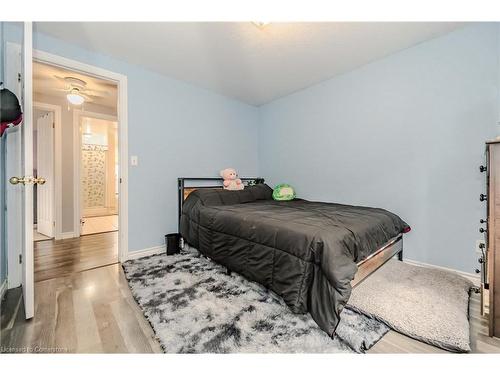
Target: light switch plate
(134,160)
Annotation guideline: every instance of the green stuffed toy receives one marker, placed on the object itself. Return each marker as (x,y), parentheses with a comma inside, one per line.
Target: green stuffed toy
(283,192)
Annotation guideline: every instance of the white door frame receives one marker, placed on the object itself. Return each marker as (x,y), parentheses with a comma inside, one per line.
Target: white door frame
(121,81)
(77,162)
(57,164)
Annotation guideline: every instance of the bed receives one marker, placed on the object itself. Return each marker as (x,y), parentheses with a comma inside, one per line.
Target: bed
(309,253)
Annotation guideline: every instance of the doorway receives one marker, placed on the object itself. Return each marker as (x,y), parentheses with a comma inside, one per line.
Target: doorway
(99,171)
(80,157)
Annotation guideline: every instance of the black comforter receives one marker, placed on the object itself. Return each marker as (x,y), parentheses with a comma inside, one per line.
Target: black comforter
(306,252)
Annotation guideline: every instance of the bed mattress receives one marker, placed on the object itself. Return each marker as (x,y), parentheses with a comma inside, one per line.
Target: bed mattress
(304,251)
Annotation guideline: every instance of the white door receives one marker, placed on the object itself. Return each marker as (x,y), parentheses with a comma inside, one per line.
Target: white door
(14,202)
(19,81)
(45,170)
(14,167)
(27,140)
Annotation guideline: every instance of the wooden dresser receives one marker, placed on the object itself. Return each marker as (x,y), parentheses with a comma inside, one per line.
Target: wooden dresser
(491,262)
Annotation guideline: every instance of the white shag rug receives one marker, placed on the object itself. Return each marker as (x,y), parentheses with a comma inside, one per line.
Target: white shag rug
(195,307)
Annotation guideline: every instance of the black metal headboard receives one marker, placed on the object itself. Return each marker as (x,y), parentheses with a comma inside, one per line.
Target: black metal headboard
(183,191)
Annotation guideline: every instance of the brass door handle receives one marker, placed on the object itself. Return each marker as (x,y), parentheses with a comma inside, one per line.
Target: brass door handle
(27,180)
(20,180)
(39,180)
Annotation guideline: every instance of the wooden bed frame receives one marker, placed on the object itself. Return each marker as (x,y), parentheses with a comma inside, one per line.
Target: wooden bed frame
(365,268)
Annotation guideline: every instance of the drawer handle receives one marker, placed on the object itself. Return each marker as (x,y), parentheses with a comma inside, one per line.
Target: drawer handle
(483,197)
(482,168)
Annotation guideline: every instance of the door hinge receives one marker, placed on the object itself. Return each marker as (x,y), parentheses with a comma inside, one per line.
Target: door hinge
(53,125)
(120,180)
(20,258)
(19,77)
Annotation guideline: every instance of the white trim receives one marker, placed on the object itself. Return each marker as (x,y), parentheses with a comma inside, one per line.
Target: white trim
(97,115)
(66,235)
(474,278)
(146,252)
(3,289)
(122,111)
(77,159)
(57,163)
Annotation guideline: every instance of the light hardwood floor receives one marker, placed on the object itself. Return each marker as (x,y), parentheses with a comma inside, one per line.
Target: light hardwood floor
(86,312)
(94,311)
(39,237)
(64,257)
(99,224)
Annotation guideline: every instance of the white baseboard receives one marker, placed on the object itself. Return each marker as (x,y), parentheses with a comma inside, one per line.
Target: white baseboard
(3,289)
(146,252)
(472,277)
(66,235)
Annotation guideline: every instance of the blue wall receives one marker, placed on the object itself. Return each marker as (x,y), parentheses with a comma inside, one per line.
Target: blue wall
(405,133)
(176,129)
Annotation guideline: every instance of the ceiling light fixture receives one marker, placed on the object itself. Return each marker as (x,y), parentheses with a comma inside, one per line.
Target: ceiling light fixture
(261,24)
(75,98)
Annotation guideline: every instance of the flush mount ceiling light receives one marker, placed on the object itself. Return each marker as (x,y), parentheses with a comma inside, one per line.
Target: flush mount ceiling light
(74,97)
(261,24)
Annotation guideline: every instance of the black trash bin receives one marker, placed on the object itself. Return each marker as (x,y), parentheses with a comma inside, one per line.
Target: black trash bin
(172,241)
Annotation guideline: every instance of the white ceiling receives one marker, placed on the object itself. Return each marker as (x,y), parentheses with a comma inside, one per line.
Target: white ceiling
(45,82)
(238,59)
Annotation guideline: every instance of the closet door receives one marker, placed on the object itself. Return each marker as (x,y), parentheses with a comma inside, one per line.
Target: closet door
(45,169)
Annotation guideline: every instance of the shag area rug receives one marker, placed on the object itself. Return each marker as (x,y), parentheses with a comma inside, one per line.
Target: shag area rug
(195,307)
(428,304)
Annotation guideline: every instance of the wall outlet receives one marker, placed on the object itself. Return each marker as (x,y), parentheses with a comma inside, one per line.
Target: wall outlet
(478,248)
(134,160)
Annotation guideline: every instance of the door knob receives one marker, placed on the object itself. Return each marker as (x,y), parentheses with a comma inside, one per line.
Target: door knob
(39,180)
(20,180)
(27,180)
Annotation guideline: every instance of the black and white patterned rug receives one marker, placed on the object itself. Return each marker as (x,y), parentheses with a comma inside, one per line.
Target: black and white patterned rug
(195,307)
